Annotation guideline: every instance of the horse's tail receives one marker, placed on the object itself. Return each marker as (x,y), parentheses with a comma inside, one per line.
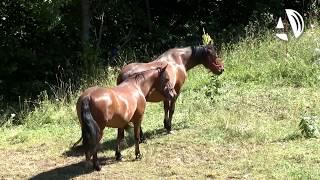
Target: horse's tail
(75,144)
(90,129)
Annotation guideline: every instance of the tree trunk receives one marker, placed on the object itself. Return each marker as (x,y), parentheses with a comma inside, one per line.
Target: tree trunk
(100,31)
(148,15)
(85,5)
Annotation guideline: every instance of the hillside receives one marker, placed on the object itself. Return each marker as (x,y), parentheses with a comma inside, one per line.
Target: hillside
(243,124)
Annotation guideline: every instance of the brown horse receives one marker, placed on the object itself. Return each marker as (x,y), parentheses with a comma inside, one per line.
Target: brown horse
(180,60)
(115,107)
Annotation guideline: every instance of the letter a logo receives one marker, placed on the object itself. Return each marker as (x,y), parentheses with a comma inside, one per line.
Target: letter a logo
(296,22)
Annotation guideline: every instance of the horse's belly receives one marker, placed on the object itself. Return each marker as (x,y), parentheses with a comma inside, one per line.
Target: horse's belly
(117,122)
(155,96)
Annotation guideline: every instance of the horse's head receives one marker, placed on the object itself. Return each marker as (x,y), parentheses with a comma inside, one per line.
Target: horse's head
(166,88)
(212,60)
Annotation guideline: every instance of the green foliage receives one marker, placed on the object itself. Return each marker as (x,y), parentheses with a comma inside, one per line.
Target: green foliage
(308,127)
(39,37)
(213,87)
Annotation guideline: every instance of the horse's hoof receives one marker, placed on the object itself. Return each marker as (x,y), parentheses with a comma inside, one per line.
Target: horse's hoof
(97,167)
(144,140)
(119,158)
(138,156)
(170,132)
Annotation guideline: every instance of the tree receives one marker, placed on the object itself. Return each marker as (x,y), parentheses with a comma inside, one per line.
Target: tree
(85,12)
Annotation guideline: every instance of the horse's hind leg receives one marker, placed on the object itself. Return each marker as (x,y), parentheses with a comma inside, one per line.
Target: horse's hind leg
(137,139)
(119,140)
(88,157)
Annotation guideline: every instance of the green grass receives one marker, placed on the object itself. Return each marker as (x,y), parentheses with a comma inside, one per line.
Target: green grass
(243,124)
(271,61)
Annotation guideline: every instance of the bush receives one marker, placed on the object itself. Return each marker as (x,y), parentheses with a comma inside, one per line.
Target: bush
(308,127)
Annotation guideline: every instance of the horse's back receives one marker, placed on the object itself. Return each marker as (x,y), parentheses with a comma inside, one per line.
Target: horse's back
(114,106)
(131,68)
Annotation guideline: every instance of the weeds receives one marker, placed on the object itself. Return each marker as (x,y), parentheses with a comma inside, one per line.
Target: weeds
(265,61)
(308,127)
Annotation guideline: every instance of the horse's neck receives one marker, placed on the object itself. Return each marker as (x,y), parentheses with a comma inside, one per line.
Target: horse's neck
(181,56)
(146,84)
(186,57)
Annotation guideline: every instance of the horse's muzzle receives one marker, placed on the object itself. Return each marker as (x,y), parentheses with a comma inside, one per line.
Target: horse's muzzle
(221,71)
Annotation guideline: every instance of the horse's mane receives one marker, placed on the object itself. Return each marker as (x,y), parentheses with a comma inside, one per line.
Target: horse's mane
(199,52)
(140,75)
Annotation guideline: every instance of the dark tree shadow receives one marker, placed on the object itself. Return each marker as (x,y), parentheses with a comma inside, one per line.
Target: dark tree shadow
(71,171)
(129,140)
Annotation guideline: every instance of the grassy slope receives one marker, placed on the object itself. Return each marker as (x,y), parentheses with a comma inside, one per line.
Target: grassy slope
(246,128)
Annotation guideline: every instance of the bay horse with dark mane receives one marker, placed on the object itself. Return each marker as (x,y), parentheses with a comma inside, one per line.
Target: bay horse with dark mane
(115,107)
(179,60)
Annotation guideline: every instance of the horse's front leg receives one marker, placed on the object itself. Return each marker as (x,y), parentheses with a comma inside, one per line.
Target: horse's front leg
(137,125)
(169,107)
(171,111)
(120,138)
(166,107)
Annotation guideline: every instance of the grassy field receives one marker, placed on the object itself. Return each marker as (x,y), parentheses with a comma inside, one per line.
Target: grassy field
(241,125)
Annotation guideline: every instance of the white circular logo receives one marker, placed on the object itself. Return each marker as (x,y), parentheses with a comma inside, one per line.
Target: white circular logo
(296,22)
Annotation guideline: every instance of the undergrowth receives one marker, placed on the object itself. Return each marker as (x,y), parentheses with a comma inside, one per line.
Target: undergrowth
(263,61)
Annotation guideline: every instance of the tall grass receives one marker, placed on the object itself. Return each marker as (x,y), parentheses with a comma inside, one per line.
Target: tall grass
(267,60)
